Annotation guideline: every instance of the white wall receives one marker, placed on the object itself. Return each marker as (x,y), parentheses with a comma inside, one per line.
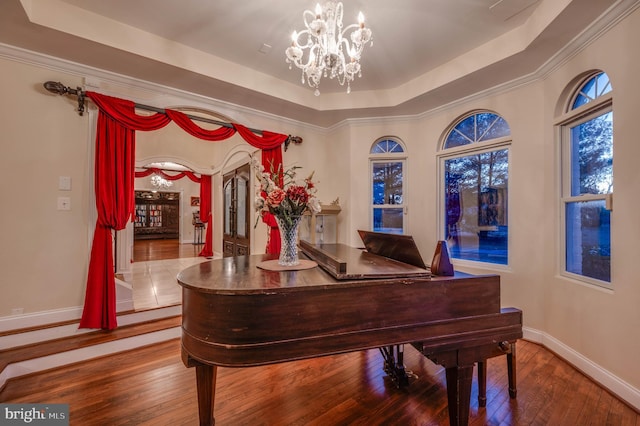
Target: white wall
(601,325)
(595,329)
(45,255)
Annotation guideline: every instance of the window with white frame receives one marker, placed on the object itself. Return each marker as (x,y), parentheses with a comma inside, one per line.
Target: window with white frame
(586,140)
(387,159)
(474,165)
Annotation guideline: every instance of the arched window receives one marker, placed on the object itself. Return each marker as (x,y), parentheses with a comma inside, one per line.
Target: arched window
(387,159)
(477,127)
(586,140)
(474,164)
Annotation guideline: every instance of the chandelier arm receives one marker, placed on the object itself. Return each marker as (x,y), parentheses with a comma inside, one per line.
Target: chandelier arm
(310,39)
(347,28)
(347,46)
(306,14)
(339,13)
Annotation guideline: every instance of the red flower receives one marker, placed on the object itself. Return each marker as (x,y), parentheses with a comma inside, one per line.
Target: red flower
(275,197)
(298,194)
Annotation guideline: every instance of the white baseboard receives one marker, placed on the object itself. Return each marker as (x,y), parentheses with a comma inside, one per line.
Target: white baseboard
(605,378)
(124,303)
(37,319)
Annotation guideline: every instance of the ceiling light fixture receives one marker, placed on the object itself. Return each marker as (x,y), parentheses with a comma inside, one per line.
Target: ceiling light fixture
(327,42)
(160,182)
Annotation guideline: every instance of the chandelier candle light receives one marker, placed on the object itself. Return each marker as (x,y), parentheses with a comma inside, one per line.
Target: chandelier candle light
(325,41)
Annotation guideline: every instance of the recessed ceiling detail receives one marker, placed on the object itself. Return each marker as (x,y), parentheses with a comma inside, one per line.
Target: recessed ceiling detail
(427,53)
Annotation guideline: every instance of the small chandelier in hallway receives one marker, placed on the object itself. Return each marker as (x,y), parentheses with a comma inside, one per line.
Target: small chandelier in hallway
(326,43)
(161,183)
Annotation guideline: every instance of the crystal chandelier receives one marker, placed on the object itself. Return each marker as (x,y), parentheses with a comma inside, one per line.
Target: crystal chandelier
(327,42)
(160,182)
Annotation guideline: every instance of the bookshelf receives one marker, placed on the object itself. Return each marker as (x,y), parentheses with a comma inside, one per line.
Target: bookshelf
(157,215)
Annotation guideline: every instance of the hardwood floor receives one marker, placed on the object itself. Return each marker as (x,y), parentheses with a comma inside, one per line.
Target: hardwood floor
(151,386)
(146,250)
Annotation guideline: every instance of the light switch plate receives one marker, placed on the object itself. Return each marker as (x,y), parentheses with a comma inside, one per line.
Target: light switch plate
(64,183)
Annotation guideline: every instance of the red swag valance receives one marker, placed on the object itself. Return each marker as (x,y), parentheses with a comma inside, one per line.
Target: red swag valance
(152,170)
(114,189)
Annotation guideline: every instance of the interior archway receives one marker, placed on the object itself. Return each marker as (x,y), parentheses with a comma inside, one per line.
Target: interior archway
(148,266)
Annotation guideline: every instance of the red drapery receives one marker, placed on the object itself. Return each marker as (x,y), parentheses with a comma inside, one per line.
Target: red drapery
(205,215)
(114,177)
(150,171)
(114,189)
(272,159)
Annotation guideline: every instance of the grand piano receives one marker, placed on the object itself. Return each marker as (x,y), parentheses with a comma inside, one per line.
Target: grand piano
(237,314)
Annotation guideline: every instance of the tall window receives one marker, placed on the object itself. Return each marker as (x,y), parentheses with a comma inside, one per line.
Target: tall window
(587,180)
(475,175)
(388,169)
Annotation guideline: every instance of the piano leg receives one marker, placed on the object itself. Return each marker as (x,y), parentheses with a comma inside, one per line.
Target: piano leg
(206,384)
(509,350)
(459,380)
(482,383)
(511,370)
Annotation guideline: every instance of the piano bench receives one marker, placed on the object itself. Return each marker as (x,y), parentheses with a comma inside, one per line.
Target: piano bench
(504,348)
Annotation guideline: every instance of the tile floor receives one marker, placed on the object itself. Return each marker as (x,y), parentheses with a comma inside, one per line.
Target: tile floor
(154,282)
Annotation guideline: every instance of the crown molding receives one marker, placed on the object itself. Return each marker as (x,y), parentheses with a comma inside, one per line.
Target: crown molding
(142,91)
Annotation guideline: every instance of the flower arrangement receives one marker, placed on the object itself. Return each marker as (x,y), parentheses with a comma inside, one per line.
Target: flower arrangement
(291,200)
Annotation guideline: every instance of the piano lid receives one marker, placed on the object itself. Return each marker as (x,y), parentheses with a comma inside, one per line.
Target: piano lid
(344,262)
(394,246)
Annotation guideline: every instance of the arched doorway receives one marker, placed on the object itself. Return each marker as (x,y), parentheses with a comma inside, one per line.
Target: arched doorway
(178,202)
(163,209)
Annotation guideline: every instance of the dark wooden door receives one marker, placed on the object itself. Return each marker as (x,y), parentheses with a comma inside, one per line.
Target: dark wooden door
(236,190)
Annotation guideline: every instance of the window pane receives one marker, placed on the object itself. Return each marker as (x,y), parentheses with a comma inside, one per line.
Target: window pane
(455,138)
(497,128)
(378,149)
(228,196)
(464,133)
(467,127)
(387,182)
(589,89)
(386,146)
(588,239)
(241,215)
(388,220)
(395,147)
(592,89)
(580,100)
(603,83)
(476,206)
(592,156)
